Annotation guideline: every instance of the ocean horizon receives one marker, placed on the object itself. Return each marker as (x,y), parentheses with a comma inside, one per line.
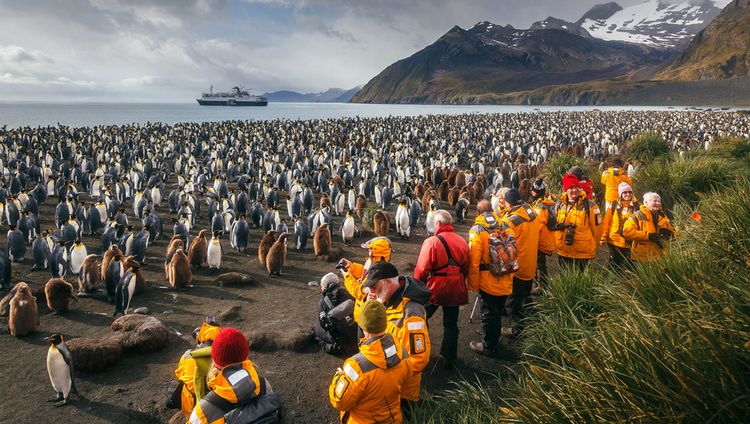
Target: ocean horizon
(81,114)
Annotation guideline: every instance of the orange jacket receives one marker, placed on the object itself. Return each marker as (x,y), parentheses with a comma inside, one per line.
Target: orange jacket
(353,284)
(407,324)
(235,383)
(368,387)
(587,218)
(479,254)
(614,222)
(192,370)
(547,242)
(638,227)
(611,179)
(523,221)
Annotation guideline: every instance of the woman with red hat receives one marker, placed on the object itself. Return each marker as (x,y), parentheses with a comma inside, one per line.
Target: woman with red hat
(576,223)
(234,384)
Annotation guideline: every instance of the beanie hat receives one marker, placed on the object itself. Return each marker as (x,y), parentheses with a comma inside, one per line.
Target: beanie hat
(230,347)
(513,196)
(577,171)
(623,187)
(372,317)
(379,271)
(329,281)
(570,180)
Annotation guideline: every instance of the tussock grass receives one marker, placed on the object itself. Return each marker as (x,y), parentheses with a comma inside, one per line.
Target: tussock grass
(647,147)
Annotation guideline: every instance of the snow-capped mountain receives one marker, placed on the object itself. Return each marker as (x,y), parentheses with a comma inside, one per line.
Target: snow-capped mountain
(657,23)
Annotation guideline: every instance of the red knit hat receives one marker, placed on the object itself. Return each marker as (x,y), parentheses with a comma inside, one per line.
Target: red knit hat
(230,347)
(570,180)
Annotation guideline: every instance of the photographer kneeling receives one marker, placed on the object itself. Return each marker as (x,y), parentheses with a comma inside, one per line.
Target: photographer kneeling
(336,330)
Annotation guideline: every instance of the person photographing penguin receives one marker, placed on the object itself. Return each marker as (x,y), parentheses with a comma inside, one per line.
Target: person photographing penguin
(335,330)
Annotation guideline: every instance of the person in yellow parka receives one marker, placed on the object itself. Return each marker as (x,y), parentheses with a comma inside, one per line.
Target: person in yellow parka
(493,290)
(237,391)
(542,204)
(367,389)
(649,230)
(612,177)
(379,249)
(577,225)
(194,364)
(521,218)
(614,225)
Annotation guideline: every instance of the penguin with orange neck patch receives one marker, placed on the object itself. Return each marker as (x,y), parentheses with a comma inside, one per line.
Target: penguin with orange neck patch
(60,369)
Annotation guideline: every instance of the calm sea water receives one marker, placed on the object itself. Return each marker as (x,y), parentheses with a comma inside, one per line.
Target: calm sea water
(86,114)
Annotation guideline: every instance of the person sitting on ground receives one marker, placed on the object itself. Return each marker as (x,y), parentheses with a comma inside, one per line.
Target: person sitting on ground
(614,224)
(649,230)
(612,177)
(443,264)
(404,299)
(194,364)
(379,249)
(368,388)
(335,330)
(238,394)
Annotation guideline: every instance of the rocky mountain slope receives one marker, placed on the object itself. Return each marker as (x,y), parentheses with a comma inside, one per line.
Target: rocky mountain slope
(332,95)
(493,58)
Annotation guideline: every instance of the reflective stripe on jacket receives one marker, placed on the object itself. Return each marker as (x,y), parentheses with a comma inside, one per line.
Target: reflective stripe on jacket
(368,388)
(234,385)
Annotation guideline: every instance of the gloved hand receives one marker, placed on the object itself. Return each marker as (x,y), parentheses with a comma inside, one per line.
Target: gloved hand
(322,316)
(666,233)
(655,237)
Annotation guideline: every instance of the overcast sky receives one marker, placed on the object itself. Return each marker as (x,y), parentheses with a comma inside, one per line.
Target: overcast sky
(171,50)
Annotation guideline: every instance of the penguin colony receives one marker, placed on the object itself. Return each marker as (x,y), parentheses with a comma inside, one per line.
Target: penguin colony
(237,183)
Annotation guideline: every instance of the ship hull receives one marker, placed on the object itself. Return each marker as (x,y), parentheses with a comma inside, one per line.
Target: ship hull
(231,102)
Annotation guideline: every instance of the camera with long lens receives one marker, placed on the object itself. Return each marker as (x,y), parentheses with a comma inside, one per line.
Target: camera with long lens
(570,232)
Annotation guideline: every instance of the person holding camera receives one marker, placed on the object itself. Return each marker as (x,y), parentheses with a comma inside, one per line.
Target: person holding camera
(614,224)
(648,230)
(543,202)
(336,330)
(577,225)
(379,249)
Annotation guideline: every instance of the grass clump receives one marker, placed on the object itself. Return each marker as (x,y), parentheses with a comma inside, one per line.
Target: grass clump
(465,402)
(368,215)
(671,342)
(646,147)
(735,147)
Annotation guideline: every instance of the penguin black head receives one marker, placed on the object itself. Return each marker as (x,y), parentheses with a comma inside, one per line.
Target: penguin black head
(55,339)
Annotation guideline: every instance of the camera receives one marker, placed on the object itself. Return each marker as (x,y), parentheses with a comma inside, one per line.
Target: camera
(341,265)
(570,232)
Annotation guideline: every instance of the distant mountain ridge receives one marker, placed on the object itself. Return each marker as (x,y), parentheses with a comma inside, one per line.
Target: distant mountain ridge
(332,95)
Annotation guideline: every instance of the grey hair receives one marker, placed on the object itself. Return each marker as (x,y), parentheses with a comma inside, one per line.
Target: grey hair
(443,217)
(647,197)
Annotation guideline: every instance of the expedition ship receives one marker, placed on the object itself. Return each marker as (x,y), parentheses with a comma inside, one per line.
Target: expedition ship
(236,97)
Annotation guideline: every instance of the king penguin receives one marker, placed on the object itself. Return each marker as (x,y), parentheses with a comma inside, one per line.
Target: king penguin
(60,369)
(124,292)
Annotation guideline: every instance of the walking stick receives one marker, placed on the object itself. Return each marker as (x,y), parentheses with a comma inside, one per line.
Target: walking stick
(474,309)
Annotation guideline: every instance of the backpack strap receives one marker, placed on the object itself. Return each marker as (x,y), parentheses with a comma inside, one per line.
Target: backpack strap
(451,261)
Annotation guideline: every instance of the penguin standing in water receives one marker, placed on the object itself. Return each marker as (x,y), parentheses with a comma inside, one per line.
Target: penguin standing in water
(60,369)
(124,292)
(214,252)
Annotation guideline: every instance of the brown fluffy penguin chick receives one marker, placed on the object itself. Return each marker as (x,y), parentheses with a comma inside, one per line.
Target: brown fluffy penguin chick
(174,244)
(89,276)
(23,317)
(112,252)
(140,282)
(277,255)
(360,205)
(325,201)
(265,245)
(322,241)
(453,196)
(59,292)
(443,190)
(179,273)
(198,249)
(381,223)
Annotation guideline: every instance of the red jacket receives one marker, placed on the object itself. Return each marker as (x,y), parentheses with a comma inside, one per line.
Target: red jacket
(447,283)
